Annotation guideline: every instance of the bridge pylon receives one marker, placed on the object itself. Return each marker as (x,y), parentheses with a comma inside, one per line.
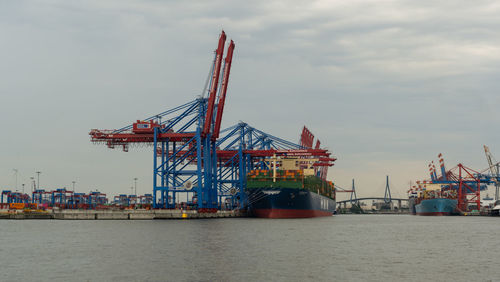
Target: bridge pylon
(353,199)
(387,194)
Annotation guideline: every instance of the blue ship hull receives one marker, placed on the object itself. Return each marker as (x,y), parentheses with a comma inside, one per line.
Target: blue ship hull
(289,203)
(438,206)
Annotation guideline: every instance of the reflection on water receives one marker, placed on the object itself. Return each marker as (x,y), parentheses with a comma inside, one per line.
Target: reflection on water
(344,247)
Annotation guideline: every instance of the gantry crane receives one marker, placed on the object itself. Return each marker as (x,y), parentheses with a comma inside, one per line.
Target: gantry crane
(192,162)
(465,181)
(192,125)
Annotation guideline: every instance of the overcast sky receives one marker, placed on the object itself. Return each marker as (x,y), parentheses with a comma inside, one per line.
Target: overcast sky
(385,85)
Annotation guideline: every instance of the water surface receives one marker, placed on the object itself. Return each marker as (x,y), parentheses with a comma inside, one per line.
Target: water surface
(340,248)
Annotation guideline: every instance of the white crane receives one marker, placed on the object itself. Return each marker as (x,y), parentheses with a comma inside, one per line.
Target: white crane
(493,169)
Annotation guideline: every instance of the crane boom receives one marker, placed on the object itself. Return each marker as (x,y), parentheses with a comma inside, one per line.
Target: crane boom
(489,158)
(222,98)
(306,138)
(443,169)
(430,172)
(318,144)
(493,170)
(213,85)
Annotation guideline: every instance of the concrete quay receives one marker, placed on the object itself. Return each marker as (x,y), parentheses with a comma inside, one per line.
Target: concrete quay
(21,215)
(119,214)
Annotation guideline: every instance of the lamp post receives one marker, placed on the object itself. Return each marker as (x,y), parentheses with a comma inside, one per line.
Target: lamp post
(33,186)
(38,181)
(135,185)
(73,185)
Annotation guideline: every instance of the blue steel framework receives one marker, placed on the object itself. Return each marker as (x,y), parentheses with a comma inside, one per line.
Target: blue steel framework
(178,145)
(69,199)
(40,196)
(205,173)
(217,178)
(14,197)
(242,149)
(78,200)
(6,193)
(171,165)
(59,197)
(190,158)
(188,135)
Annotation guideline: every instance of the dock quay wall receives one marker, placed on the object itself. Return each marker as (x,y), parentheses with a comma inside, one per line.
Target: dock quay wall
(119,214)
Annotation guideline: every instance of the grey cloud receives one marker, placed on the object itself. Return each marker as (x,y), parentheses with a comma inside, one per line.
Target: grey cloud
(390,81)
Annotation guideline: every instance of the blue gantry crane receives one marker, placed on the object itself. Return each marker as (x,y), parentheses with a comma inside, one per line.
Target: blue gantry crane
(197,163)
(182,137)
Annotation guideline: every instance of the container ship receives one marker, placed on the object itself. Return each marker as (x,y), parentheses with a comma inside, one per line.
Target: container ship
(434,200)
(437,206)
(291,191)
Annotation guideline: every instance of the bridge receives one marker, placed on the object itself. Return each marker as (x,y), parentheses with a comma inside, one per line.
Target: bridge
(386,200)
(354,200)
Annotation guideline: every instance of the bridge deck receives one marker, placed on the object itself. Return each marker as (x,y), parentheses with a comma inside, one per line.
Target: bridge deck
(371,198)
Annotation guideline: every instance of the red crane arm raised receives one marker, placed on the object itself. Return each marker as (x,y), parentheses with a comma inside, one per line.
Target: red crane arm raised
(213,86)
(222,98)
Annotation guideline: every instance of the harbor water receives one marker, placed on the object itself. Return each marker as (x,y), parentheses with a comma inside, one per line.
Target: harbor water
(339,248)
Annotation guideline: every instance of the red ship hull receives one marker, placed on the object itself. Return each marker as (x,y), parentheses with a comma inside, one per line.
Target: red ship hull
(434,213)
(289,213)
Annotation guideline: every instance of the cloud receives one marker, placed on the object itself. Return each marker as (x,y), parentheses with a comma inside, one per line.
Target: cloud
(382,83)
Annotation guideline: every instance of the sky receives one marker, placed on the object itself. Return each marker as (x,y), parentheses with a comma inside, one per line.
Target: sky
(385,85)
